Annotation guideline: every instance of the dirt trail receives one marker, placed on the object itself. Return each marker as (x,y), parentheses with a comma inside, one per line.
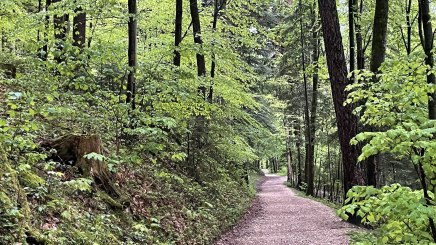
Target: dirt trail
(280,217)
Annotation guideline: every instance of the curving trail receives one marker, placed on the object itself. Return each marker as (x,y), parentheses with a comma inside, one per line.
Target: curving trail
(280,217)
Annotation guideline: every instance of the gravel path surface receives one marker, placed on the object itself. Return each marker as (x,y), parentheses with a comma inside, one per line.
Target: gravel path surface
(280,217)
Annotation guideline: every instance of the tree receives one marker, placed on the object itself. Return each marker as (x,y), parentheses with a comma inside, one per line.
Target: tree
(308,168)
(427,43)
(196,26)
(60,32)
(378,53)
(79,28)
(133,33)
(178,31)
(346,121)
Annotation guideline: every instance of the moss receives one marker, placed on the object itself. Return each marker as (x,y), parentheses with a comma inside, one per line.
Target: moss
(13,194)
(31,180)
(109,200)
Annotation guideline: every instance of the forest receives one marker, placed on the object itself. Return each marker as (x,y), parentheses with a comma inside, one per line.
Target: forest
(154,122)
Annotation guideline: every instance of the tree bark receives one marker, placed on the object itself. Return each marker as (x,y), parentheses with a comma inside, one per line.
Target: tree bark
(298,146)
(351,35)
(379,34)
(427,30)
(79,28)
(427,42)
(60,33)
(346,121)
(133,44)
(308,170)
(196,26)
(178,32)
(315,80)
(359,39)
(378,54)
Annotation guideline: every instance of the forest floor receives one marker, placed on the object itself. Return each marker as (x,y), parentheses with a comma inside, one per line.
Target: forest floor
(280,217)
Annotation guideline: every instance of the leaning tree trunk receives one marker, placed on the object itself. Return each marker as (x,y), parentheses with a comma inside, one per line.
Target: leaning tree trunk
(346,121)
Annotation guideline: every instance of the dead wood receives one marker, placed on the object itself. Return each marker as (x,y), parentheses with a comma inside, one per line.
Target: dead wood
(71,149)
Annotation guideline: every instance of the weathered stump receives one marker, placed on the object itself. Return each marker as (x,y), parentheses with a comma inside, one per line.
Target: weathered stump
(72,148)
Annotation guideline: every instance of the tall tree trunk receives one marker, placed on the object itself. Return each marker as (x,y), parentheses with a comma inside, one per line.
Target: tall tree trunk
(79,28)
(196,26)
(298,146)
(351,35)
(199,126)
(308,170)
(408,43)
(60,33)
(359,38)
(428,46)
(178,32)
(218,6)
(289,158)
(379,34)
(346,121)
(378,54)
(315,80)
(133,44)
(427,42)
(44,55)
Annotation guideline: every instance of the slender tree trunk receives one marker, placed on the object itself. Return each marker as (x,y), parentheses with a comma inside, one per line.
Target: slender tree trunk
(196,26)
(351,35)
(427,42)
(428,46)
(409,27)
(298,146)
(44,54)
(39,11)
(308,170)
(379,34)
(79,28)
(60,33)
(178,32)
(378,54)
(133,44)
(359,38)
(289,159)
(346,121)
(315,80)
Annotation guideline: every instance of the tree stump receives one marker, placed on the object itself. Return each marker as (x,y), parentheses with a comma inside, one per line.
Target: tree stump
(72,149)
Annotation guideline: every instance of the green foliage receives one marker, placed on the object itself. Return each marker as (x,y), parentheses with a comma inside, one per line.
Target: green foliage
(399,213)
(148,151)
(397,102)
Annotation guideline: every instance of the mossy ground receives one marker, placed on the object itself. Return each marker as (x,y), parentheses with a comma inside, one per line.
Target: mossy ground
(165,207)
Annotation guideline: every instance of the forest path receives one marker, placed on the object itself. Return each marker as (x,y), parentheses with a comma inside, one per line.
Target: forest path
(280,217)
